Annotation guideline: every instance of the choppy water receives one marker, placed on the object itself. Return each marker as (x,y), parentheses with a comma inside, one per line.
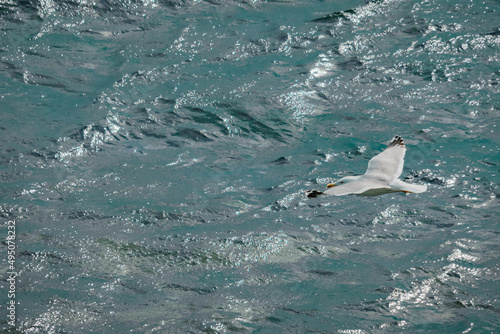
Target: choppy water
(155,155)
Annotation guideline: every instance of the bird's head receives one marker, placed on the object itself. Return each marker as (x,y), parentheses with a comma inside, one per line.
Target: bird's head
(344,180)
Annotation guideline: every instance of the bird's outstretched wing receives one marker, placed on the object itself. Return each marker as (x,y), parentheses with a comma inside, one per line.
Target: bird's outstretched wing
(388,165)
(357,187)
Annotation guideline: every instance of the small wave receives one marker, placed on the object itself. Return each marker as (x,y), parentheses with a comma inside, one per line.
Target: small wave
(89,139)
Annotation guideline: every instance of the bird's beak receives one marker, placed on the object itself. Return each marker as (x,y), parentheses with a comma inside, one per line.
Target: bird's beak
(331,185)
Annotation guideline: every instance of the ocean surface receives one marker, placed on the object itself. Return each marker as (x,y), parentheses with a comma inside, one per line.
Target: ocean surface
(155,154)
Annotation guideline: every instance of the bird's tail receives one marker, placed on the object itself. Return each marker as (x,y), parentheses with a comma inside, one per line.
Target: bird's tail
(409,187)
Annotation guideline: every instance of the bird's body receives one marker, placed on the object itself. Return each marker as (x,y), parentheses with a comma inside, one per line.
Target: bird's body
(381,176)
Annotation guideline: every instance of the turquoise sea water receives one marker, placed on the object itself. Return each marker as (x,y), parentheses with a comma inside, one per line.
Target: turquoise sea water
(154,156)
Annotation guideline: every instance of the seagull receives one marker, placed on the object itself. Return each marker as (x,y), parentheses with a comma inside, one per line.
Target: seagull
(380,178)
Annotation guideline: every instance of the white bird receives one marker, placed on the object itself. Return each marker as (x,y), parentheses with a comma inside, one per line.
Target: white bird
(380,178)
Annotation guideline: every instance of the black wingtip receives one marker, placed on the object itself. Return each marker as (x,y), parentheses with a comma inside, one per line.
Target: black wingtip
(397,140)
(314,193)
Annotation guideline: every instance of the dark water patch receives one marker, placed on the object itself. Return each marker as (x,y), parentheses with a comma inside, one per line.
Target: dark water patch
(143,114)
(445,225)
(176,258)
(309,249)
(281,161)
(171,118)
(27,6)
(414,31)
(134,287)
(165,102)
(5,10)
(175,4)
(351,65)
(324,273)
(204,117)
(301,312)
(192,134)
(335,17)
(12,71)
(495,32)
(250,124)
(353,222)
(87,215)
(44,80)
(11,177)
(201,116)
(427,176)
(157,120)
(173,143)
(134,250)
(155,133)
(487,163)
(179,287)
(52,258)
(274,320)
(37,154)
